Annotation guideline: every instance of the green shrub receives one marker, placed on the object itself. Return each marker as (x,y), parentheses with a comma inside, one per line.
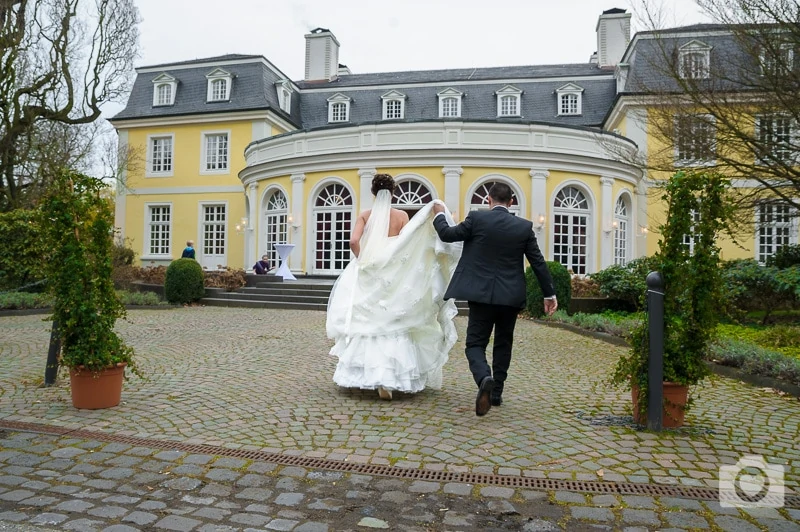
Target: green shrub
(24,252)
(785,257)
(626,283)
(184,282)
(748,286)
(613,323)
(122,255)
(754,359)
(139,298)
(563,286)
(23,300)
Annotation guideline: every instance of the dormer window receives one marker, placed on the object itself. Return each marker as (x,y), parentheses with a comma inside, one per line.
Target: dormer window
(339,108)
(219,85)
(450,103)
(509,101)
(694,60)
(164,87)
(285,95)
(394,105)
(570,100)
(778,61)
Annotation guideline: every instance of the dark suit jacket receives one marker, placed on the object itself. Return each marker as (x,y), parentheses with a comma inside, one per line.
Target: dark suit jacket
(491,269)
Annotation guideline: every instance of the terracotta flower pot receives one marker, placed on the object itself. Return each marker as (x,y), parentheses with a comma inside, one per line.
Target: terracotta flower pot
(675,398)
(96,389)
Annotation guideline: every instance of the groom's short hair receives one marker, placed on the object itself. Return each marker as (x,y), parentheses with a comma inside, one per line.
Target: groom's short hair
(500,193)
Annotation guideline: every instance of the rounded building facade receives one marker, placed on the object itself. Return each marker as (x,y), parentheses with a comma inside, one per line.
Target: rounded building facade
(307,187)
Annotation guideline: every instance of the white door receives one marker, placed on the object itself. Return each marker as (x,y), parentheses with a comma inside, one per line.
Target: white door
(333,214)
(213,245)
(571,230)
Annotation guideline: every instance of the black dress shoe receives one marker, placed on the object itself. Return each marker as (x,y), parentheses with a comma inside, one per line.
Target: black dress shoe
(497,399)
(484,402)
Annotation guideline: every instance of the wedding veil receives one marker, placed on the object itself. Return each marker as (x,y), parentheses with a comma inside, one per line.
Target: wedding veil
(376,232)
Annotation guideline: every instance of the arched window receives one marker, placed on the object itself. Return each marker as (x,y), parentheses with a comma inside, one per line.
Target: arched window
(480,198)
(276,226)
(570,230)
(622,224)
(410,196)
(333,214)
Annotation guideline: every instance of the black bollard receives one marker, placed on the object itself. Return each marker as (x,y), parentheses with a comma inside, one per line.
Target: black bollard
(51,369)
(655,369)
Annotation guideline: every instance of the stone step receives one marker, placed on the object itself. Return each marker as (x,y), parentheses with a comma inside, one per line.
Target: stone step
(321,299)
(245,303)
(299,290)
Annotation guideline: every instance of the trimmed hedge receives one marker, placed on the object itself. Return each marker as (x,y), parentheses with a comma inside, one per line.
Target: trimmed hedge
(563,285)
(184,282)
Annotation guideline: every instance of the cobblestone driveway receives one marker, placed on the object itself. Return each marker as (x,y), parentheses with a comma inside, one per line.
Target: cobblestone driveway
(261,379)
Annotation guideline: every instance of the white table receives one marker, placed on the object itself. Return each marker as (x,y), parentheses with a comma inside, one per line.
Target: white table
(284,250)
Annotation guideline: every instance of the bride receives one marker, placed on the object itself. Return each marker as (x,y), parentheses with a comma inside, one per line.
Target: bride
(392,328)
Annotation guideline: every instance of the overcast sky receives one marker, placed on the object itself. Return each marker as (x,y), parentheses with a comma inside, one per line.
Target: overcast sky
(383,36)
(380,36)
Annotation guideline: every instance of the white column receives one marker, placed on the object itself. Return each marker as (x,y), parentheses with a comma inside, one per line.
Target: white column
(640,220)
(365,194)
(296,226)
(539,209)
(250,240)
(452,189)
(606,221)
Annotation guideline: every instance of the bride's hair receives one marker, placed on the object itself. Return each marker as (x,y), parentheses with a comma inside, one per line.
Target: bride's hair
(382,182)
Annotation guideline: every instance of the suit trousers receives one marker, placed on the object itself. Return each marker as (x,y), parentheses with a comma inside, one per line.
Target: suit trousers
(482,319)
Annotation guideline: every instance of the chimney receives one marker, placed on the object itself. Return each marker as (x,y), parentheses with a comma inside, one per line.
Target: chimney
(344,70)
(322,55)
(613,35)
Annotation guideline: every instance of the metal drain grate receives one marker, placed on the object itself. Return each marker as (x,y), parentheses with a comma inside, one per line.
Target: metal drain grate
(592,487)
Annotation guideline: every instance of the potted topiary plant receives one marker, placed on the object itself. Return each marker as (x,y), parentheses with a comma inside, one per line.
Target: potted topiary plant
(698,208)
(77,224)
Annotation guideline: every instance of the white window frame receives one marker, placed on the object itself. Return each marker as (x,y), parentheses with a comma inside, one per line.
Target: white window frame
(204,136)
(514,92)
(284,90)
(146,255)
(704,119)
(200,247)
(450,94)
(702,68)
(568,249)
(790,226)
(622,230)
(339,98)
(766,62)
(792,142)
(149,162)
(216,75)
(568,91)
(164,80)
(390,99)
(276,224)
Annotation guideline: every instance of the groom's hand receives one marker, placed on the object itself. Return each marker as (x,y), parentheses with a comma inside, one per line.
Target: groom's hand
(550,306)
(437,208)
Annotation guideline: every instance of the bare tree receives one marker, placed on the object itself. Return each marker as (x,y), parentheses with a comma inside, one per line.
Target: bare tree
(725,95)
(60,61)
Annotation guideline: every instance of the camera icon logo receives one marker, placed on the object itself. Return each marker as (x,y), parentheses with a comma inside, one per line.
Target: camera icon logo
(751,483)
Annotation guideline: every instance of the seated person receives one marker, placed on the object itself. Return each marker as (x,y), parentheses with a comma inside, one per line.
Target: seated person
(262,267)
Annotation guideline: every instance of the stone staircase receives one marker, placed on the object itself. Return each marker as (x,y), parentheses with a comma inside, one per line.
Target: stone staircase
(269,291)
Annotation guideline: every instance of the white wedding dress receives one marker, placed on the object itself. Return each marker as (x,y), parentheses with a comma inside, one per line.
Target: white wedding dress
(386,314)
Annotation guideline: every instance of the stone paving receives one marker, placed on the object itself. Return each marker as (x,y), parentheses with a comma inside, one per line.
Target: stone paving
(261,380)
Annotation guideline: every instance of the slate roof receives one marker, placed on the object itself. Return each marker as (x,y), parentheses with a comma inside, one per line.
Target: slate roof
(457,75)
(253,88)
(651,64)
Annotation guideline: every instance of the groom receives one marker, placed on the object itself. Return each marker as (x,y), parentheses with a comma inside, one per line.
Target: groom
(491,277)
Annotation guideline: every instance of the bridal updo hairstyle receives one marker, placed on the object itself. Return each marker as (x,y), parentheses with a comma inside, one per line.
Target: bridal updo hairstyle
(383,182)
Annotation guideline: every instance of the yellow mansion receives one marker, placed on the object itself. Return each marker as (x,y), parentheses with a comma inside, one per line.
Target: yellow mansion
(238,157)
